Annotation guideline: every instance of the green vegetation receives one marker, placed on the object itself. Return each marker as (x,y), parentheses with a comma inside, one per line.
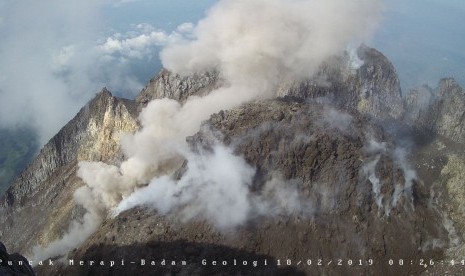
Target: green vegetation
(17,148)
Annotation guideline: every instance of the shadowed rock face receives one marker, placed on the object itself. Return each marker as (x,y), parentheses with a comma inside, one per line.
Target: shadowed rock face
(13,264)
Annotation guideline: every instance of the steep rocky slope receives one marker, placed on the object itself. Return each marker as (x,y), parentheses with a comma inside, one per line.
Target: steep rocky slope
(325,162)
(436,115)
(38,206)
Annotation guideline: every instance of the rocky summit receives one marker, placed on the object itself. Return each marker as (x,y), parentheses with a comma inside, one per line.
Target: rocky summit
(357,180)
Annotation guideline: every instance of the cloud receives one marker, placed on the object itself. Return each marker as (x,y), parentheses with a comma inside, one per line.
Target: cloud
(143,42)
(53,59)
(186,28)
(30,92)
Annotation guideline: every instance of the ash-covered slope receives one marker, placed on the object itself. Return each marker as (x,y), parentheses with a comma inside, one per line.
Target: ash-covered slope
(39,204)
(437,116)
(316,166)
(330,182)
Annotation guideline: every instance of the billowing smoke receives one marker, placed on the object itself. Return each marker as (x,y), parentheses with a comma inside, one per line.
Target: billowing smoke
(215,185)
(254,45)
(263,41)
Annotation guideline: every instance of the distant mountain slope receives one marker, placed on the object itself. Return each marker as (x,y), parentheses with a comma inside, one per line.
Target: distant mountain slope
(17,148)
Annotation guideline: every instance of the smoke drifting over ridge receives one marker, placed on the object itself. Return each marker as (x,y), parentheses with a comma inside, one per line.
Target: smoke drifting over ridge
(254,45)
(260,42)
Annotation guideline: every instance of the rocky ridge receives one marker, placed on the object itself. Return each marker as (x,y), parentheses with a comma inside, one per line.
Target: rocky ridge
(173,86)
(45,188)
(440,111)
(373,88)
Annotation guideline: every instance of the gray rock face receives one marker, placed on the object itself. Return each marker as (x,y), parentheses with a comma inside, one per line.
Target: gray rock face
(440,111)
(380,86)
(421,107)
(39,203)
(174,86)
(372,89)
(451,111)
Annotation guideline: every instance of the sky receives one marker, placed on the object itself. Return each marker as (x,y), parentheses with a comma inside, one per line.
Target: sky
(55,55)
(424,39)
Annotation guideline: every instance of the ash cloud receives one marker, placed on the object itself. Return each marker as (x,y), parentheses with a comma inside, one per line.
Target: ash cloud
(253,51)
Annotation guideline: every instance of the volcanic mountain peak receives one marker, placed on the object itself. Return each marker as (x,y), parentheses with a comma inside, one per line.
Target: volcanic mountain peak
(347,183)
(373,88)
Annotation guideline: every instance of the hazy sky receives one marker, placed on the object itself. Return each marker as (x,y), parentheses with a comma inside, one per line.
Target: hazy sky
(424,39)
(55,55)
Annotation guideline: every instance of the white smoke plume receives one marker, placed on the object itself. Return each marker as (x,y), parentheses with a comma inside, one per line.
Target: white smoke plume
(260,42)
(410,175)
(375,151)
(214,187)
(369,169)
(283,197)
(254,45)
(77,233)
